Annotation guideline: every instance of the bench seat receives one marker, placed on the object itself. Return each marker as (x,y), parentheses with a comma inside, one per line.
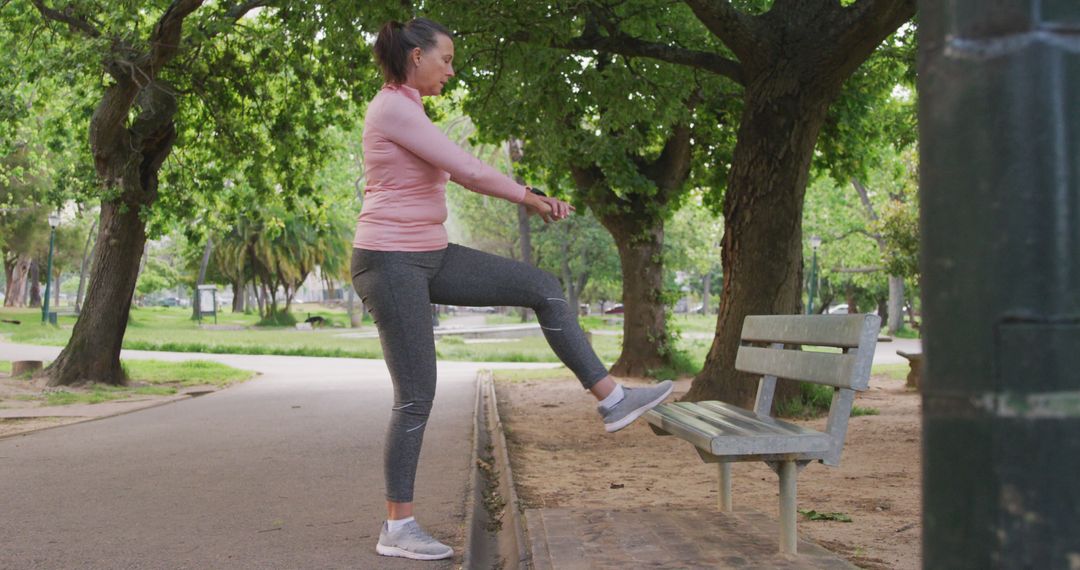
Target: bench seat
(728,431)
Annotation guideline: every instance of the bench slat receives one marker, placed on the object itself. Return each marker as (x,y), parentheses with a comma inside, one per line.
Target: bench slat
(744,424)
(833,369)
(721,423)
(682,425)
(781,426)
(721,431)
(820,330)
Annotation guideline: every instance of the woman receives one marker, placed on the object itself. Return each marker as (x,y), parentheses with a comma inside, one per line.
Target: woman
(402,263)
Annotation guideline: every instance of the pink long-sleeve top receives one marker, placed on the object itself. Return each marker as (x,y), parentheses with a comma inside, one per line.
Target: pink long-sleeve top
(407,161)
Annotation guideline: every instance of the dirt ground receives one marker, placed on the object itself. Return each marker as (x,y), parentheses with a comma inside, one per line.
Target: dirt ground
(561,457)
(24,399)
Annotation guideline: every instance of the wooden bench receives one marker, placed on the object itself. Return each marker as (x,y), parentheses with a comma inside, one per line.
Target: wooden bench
(723,433)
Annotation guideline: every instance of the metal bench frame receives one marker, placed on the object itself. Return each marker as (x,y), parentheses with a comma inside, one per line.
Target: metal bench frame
(723,433)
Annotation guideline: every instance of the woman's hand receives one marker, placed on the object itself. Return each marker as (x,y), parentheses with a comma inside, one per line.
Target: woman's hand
(549,209)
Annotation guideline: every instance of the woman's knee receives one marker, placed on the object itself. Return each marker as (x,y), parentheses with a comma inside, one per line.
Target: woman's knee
(415,408)
(548,286)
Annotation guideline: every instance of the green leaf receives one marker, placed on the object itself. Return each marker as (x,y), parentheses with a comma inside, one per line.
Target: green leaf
(816,516)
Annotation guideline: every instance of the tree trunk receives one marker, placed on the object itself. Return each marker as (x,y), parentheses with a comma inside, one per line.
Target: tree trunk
(852,301)
(9,271)
(93,353)
(569,283)
(87,251)
(16,289)
(761,251)
(513,149)
(239,292)
(56,292)
(260,297)
(35,284)
(645,340)
(706,284)
(896,304)
(636,222)
(582,281)
(142,267)
(129,154)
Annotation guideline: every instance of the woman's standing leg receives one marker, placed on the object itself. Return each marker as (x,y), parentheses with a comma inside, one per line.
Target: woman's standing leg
(394,287)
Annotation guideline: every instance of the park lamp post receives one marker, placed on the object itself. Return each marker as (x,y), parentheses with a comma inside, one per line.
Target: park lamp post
(54,220)
(815,243)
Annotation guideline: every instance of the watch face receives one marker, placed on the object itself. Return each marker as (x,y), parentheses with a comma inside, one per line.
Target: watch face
(536,191)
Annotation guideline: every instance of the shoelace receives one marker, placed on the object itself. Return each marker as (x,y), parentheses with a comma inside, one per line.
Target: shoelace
(416,532)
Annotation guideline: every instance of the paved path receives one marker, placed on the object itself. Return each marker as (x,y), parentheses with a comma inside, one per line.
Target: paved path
(283,471)
(665,538)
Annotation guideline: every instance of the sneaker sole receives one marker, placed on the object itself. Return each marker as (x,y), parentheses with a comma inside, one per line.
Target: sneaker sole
(616,426)
(400,553)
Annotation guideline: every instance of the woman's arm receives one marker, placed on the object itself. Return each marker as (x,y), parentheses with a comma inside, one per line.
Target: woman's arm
(406,124)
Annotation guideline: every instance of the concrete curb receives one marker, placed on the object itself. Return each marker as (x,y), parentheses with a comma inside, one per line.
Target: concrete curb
(495,530)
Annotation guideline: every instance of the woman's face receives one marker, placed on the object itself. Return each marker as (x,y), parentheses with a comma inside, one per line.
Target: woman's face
(431,69)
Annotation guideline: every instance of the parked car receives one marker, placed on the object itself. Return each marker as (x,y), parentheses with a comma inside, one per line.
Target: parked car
(843,309)
(617,309)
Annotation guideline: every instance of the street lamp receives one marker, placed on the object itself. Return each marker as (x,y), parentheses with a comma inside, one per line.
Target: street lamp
(815,243)
(54,220)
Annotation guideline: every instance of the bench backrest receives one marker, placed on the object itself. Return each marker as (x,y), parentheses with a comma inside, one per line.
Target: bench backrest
(847,370)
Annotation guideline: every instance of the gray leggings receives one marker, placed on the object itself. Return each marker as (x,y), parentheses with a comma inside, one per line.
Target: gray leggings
(398,288)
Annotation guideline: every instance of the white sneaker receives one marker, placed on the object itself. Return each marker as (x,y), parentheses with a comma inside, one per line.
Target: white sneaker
(636,401)
(410,541)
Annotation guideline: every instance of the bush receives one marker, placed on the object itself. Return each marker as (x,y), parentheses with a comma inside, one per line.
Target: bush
(813,402)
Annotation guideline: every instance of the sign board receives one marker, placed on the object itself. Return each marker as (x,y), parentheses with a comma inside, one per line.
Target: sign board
(207,295)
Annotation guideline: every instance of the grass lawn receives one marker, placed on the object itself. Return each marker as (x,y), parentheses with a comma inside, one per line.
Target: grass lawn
(146,378)
(891,371)
(171,329)
(500,319)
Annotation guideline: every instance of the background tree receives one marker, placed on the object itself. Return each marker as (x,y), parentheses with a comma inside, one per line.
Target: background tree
(790,61)
(621,131)
(181,74)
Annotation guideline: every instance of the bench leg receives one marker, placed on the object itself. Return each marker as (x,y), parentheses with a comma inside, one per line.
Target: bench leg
(788,537)
(725,487)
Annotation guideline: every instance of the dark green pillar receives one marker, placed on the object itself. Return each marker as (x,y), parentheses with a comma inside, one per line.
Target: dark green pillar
(999,111)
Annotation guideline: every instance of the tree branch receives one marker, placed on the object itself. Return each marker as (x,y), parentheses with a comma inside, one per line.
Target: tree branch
(670,170)
(864,196)
(735,29)
(165,40)
(236,12)
(624,44)
(240,10)
(67,16)
(862,28)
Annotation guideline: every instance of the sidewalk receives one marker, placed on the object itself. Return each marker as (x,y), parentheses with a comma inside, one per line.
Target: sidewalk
(282,471)
(595,539)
